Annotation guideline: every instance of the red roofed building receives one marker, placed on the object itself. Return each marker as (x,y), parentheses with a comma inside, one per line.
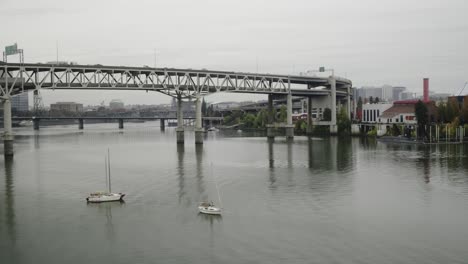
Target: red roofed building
(402,113)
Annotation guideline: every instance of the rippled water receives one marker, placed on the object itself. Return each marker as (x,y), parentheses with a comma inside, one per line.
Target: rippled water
(313,200)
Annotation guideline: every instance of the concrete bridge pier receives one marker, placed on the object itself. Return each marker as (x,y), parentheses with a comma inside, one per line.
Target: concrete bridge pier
(333,126)
(348,102)
(289,124)
(36,122)
(121,123)
(198,121)
(162,124)
(180,121)
(8,130)
(309,115)
(80,123)
(271,118)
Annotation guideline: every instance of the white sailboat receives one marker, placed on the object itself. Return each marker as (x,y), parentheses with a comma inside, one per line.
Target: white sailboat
(109,196)
(209,207)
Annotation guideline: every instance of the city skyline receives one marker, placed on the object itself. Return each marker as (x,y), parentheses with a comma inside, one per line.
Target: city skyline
(390,42)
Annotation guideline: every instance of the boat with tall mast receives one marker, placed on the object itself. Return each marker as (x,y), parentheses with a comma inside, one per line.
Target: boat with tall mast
(209,207)
(109,196)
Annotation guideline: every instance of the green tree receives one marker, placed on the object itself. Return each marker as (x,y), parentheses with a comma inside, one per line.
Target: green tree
(262,119)
(327,114)
(283,113)
(420,111)
(371,100)
(359,103)
(395,130)
(343,122)
(452,110)
(464,111)
(233,118)
(376,100)
(300,126)
(248,120)
(442,111)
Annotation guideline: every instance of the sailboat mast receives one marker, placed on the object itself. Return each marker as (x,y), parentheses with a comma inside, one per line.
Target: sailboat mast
(105,168)
(108,164)
(217,189)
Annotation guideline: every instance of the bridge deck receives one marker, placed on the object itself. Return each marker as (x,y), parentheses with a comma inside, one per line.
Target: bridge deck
(15,78)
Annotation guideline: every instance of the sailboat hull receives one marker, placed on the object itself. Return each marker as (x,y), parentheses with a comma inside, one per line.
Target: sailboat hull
(105,197)
(212,210)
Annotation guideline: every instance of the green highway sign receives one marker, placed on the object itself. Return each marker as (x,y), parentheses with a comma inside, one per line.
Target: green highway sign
(10,50)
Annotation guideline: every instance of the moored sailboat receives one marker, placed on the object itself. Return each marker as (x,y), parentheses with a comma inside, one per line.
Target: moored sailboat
(209,207)
(109,196)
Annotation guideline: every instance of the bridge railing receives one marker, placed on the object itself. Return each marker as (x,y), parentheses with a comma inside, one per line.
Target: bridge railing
(168,81)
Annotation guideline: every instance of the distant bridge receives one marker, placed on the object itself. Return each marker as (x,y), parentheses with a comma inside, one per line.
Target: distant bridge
(36,120)
(16,78)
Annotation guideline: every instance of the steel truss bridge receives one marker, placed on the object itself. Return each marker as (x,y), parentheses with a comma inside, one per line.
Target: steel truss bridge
(16,78)
(183,83)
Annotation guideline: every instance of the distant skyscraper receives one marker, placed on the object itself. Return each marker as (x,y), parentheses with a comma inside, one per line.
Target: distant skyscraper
(367,92)
(384,93)
(387,93)
(116,104)
(66,107)
(20,102)
(406,95)
(397,90)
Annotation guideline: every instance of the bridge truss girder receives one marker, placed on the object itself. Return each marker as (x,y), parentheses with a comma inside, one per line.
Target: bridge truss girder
(15,78)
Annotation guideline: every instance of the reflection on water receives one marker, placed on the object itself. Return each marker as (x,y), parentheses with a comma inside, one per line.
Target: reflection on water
(200,173)
(10,249)
(105,210)
(319,200)
(180,170)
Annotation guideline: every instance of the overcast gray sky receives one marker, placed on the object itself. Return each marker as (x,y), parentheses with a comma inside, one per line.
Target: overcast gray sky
(396,42)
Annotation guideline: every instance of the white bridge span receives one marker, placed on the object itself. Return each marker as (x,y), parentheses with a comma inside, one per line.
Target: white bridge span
(16,78)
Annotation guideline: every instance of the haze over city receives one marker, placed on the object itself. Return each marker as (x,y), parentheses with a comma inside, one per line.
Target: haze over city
(370,42)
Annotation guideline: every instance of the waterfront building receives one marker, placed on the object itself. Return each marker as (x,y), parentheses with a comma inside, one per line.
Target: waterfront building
(384,93)
(116,104)
(225,105)
(399,114)
(20,102)
(372,112)
(397,90)
(66,107)
(403,113)
(406,95)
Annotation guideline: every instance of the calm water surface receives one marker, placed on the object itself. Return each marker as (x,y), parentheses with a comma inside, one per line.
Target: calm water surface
(313,200)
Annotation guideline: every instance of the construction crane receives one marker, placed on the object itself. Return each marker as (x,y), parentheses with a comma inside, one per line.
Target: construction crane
(464,86)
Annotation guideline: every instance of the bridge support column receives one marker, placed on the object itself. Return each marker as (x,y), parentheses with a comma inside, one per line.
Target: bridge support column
(36,122)
(271,119)
(271,110)
(80,123)
(198,121)
(289,125)
(162,123)
(8,131)
(333,127)
(348,102)
(309,115)
(180,121)
(271,132)
(121,123)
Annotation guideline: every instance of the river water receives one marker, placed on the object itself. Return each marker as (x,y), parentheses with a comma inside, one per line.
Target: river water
(313,200)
